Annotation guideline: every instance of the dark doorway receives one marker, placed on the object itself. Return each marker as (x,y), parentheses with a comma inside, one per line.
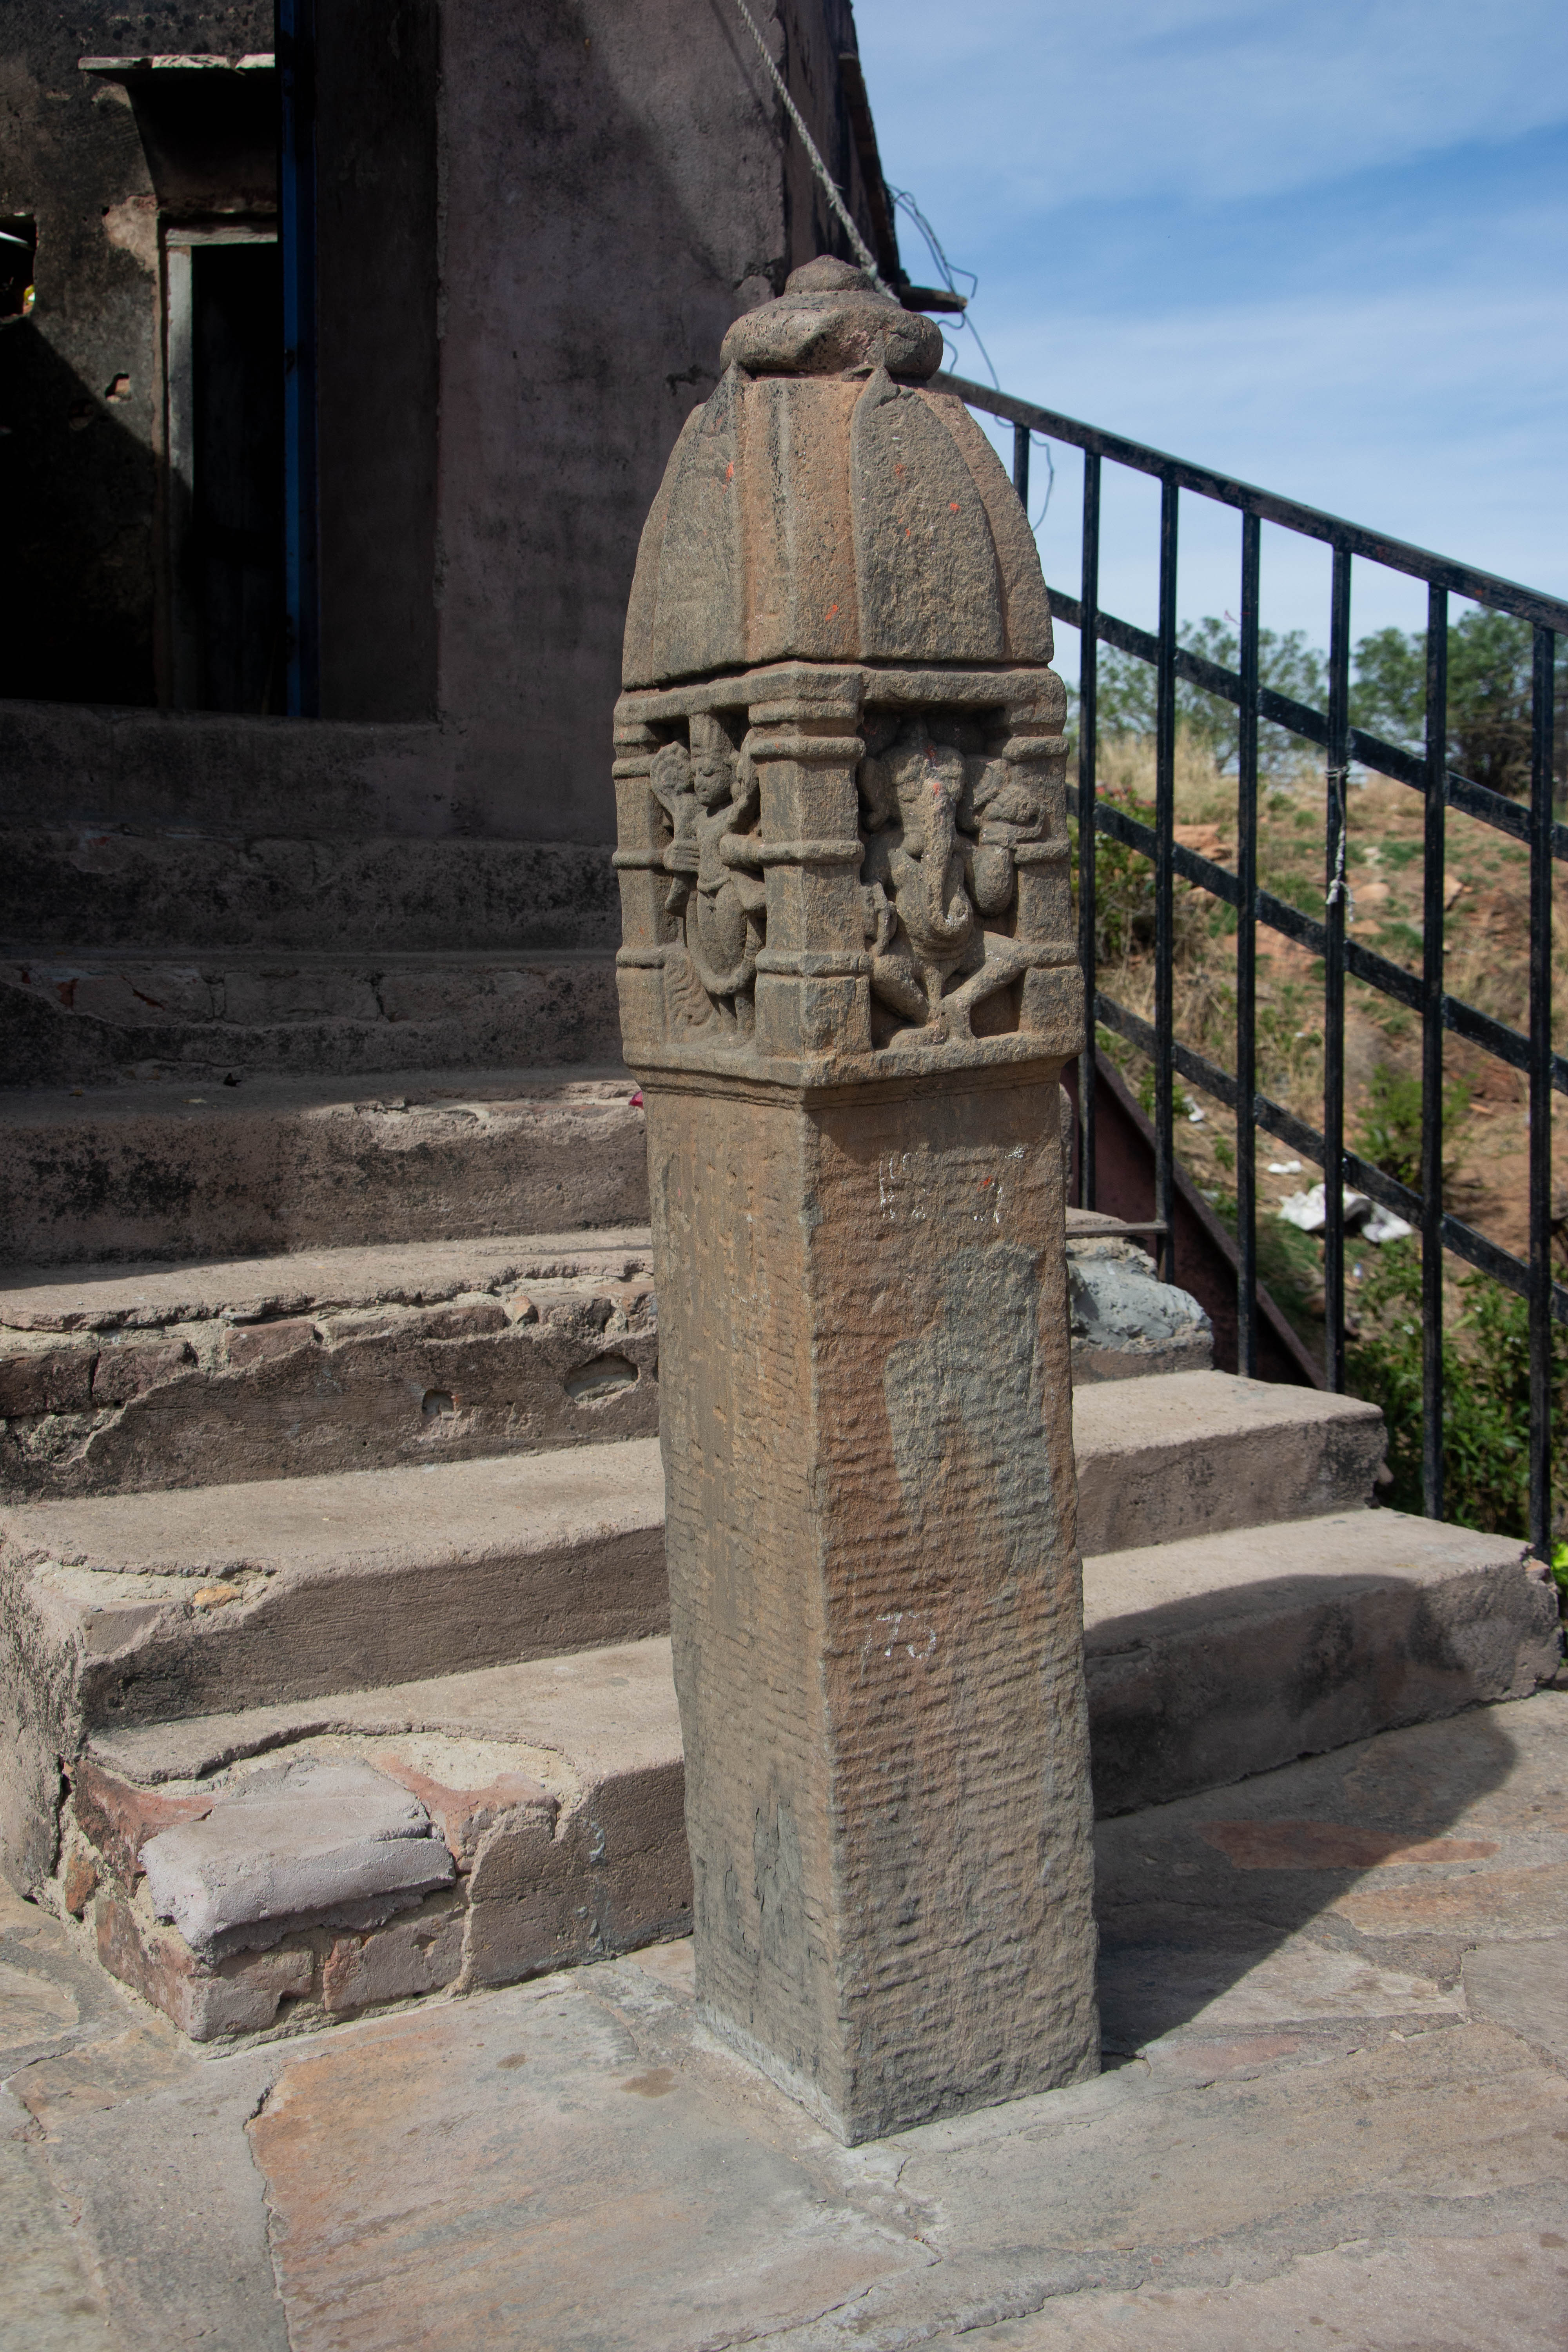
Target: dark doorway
(232,557)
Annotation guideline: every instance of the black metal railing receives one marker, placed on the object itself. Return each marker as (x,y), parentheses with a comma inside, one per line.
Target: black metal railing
(1344,745)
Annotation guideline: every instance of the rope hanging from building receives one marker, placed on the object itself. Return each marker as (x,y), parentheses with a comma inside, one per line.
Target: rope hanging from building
(829,186)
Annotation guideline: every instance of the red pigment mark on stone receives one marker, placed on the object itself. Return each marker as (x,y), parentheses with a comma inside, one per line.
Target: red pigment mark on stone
(729,471)
(952,506)
(1332,1845)
(831,613)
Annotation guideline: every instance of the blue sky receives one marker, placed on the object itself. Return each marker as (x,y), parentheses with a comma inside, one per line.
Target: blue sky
(1320,246)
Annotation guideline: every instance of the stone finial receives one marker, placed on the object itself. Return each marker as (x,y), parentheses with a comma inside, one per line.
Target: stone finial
(831,320)
(824,505)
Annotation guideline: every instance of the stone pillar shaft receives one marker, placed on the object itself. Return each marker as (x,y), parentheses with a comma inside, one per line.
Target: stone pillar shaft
(875,1595)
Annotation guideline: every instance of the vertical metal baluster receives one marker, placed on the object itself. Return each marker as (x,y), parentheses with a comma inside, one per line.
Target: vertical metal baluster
(1540,1098)
(1021,464)
(1337,867)
(1164,938)
(1088,700)
(1432,1056)
(1246,962)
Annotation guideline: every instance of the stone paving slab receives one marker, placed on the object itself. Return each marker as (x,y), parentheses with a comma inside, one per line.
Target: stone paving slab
(1319,2125)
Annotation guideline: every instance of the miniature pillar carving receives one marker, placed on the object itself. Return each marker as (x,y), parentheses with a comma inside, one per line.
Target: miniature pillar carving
(849,985)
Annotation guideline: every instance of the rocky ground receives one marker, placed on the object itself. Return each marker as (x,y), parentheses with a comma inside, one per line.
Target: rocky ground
(1334,2110)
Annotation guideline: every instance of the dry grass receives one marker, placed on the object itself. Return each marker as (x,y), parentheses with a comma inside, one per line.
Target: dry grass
(1486,930)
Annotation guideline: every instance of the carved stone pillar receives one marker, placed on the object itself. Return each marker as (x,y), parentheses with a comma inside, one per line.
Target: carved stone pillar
(848,986)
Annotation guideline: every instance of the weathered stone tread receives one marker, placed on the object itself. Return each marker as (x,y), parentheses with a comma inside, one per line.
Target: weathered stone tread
(601,1711)
(245,1290)
(177,1169)
(1188,1454)
(1227,1654)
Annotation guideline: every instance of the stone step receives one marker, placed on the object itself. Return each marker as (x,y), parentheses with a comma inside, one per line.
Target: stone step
(1218,1657)
(301,1561)
(124,1382)
(469,1829)
(151,1608)
(158,1168)
(134,889)
(546,1821)
(369,1357)
(76,1020)
(1190,1453)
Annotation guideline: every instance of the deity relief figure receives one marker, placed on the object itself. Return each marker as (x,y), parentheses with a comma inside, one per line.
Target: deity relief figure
(710,794)
(941,823)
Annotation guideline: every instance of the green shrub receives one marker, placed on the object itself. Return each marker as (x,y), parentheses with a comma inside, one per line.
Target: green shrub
(1391,1124)
(1486,1393)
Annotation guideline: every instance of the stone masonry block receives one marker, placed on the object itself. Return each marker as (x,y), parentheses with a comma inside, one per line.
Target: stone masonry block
(45,1375)
(130,1368)
(260,1343)
(312,1841)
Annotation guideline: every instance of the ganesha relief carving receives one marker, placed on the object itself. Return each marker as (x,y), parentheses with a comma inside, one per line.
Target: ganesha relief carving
(717,901)
(953,877)
(943,825)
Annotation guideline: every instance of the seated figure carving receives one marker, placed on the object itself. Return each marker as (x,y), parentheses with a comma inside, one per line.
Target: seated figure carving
(940,825)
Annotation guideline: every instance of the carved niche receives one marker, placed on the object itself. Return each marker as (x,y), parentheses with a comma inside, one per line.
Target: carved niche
(946,824)
(707,785)
(955,897)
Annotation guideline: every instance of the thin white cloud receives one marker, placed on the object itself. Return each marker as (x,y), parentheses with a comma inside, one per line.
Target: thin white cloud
(1005,102)
(1435,416)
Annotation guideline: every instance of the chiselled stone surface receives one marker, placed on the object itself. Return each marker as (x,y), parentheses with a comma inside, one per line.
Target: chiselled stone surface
(848,984)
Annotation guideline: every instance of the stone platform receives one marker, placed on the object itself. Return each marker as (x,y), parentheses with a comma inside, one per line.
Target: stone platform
(1334,2112)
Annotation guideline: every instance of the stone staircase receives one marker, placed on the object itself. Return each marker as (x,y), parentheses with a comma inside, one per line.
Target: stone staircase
(332,1583)
(331,1739)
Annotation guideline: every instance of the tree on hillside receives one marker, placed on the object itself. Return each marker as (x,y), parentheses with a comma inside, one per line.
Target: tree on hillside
(1489,684)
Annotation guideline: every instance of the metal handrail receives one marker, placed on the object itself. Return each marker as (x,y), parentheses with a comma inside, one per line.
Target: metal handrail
(1442,787)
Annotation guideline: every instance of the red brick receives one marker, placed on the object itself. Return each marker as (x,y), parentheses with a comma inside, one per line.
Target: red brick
(79,1881)
(463,1815)
(234,1996)
(119,1819)
(408,1956)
